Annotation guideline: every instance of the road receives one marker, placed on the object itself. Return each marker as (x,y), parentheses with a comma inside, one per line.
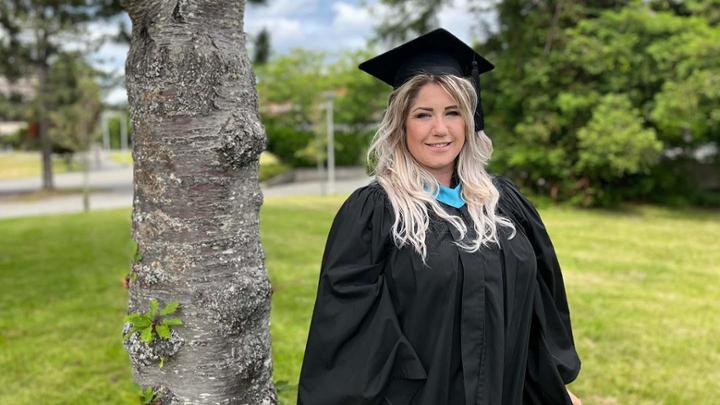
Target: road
(112,188)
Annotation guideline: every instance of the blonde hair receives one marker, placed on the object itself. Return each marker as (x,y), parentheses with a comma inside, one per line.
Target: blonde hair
(403,178)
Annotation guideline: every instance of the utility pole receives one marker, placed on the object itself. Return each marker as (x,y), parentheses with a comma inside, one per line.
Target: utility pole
(329,104)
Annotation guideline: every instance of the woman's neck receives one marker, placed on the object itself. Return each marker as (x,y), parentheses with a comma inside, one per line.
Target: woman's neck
(444,180)
(447,179)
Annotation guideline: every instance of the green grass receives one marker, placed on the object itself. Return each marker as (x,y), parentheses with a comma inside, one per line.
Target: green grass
(121,157)
(29,164)
(642,283)
(62,306)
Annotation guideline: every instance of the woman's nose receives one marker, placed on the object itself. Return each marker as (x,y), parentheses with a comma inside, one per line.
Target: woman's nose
(440,128)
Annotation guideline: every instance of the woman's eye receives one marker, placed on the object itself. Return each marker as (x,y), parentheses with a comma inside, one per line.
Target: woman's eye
(454,113)
(422,115)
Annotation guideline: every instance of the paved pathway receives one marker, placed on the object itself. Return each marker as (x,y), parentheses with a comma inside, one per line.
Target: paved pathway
(113,189)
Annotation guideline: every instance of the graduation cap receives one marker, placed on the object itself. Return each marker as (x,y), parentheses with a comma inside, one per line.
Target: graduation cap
(437,52)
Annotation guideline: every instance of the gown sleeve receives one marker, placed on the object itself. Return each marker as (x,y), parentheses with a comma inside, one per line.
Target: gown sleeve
(355,343)
(551,332)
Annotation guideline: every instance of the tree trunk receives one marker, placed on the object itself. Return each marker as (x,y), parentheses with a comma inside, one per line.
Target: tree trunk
(197,140)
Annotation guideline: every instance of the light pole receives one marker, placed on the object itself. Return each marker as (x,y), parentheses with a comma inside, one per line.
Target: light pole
(329,103)
(105,119)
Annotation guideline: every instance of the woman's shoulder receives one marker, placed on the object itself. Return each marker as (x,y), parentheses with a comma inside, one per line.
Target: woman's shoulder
(366,213)
(366,202)
(513,201)
(503,183)
(372,192)
(511,198)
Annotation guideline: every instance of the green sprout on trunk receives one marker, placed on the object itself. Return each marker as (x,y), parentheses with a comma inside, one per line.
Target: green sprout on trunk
(151,323)
(147,396)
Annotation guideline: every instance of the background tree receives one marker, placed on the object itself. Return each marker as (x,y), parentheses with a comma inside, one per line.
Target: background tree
(291,88)
(197,139)
(31,34)
(74,102)
(262,47)
(75,107)
(408,18)
(567,71)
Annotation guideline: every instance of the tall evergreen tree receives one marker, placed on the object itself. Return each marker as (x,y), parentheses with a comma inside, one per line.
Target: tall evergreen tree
(74,102)
(31,34)
(262,47)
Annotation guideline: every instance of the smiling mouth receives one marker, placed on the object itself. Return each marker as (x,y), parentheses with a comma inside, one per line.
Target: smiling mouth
(438,145)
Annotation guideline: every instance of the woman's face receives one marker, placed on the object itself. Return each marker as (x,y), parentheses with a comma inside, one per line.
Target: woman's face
(435,131)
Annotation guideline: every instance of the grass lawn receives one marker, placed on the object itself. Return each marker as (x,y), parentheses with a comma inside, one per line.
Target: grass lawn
(642,283)
(29,164)
(122,157)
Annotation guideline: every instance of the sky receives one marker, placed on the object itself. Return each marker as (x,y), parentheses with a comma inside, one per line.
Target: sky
(325,25)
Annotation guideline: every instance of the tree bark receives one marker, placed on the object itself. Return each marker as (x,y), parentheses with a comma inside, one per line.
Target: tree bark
(197,140)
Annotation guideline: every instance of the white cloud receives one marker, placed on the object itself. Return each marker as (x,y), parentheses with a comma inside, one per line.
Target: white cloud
(458,19)
(324,25)
(111,57)
(283,7)
(282,29)
(351,17)
(361,21)
(351,26)
(116,96)
(97,29)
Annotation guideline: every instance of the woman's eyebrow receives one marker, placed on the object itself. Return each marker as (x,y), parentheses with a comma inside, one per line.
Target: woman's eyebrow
(450,107)
(423,108)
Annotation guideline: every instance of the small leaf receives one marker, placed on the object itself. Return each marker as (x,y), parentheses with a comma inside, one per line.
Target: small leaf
(162,362)
(146,335)
(172,321)
(148,395)
(170,308)
(154,305)
(138,256)
(141,322)
(135,315)
(163,331)
(128,317)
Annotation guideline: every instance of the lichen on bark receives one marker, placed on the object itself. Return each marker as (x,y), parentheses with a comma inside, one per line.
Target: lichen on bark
(149,354)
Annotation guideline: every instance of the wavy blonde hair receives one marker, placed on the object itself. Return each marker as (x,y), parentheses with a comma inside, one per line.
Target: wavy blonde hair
(403,178)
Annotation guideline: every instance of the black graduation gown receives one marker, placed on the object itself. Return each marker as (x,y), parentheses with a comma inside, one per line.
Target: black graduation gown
(489,327)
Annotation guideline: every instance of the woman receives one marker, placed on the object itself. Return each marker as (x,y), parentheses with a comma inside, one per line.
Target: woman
(439,283)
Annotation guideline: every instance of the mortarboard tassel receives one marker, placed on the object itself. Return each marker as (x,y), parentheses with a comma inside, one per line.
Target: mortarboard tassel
(479,122)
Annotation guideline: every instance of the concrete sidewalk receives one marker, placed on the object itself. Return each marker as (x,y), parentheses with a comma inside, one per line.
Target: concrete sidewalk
(113,189)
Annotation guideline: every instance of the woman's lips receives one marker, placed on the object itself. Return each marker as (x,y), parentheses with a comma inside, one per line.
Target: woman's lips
(439,147)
